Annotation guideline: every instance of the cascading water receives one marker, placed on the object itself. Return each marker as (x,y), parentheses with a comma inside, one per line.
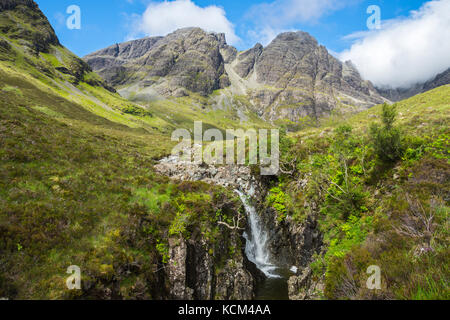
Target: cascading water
(275,286)
(256,244)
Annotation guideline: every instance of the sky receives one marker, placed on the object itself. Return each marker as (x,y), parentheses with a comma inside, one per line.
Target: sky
(410,44)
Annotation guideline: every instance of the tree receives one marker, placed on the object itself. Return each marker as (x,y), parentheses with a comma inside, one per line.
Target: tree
(387,139)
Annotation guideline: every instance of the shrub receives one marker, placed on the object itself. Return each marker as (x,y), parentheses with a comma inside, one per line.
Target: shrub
(387,140)
(135,111)
(277,199)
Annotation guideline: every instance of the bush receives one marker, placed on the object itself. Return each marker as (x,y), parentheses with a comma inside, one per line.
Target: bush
(135,111)
(277,199)
(387,140)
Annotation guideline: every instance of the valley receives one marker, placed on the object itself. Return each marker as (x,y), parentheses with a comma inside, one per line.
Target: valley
(87,177)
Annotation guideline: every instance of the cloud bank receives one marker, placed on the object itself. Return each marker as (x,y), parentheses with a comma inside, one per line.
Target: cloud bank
(162,18)
(405,51)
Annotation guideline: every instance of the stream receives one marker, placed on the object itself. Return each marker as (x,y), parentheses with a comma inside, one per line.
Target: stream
(275,286)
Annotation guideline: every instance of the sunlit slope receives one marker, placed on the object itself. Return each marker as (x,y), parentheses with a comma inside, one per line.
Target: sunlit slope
(429,111)
(379,200)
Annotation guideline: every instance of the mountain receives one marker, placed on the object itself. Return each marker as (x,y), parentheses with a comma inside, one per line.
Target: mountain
(86,178)
(78,184)
(188,59)
(404,93)
(292,78)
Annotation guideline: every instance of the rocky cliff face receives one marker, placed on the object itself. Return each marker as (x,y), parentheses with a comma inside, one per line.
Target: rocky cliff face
(290,243)
(186,60)
(295,77)
(291,78)
(193,273)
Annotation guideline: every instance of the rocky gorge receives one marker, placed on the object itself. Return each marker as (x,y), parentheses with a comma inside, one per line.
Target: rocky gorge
(275,257)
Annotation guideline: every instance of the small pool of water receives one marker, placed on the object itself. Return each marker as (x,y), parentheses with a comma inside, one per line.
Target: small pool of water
(275,288)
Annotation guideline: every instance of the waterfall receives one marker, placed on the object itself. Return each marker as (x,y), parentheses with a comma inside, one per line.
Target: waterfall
(256,246)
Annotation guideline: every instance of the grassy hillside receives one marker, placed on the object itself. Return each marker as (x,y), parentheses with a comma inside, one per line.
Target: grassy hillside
(77,185)
(380,198)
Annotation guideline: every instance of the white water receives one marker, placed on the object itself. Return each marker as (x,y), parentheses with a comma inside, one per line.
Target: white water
(256,247)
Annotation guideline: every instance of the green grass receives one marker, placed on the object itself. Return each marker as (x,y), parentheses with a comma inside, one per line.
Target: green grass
(79,189)
(361,200)
(77,184)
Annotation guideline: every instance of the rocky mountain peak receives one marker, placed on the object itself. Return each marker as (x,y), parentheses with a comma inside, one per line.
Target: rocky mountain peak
(293,77)
(187,60)
(297,38)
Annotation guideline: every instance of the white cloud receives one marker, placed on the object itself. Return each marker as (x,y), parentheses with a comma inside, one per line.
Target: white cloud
(405,51)
(162,18)
(270,19)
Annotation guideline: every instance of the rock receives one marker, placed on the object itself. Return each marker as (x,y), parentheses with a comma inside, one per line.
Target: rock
(303,287)
(228,53)
(4,46)
(440,80)
(177,270)
(228,176)
(188,58)
(192,272)
(247,60)
(297,285)
(293,77)
(38,35)
(292,243)
(301,79)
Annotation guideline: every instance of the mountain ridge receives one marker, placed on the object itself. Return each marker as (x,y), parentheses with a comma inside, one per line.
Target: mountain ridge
(291,78)
(397,94)
(79,186)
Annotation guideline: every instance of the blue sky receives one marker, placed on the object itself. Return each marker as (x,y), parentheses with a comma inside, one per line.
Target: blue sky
(384,56)
(105,22)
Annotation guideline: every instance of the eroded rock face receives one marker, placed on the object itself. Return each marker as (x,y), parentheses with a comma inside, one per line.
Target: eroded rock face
(299,78)
(228,176)
(246,60)
(193,273)
(188,58)
(292,243)
(293,77)
(304,286)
